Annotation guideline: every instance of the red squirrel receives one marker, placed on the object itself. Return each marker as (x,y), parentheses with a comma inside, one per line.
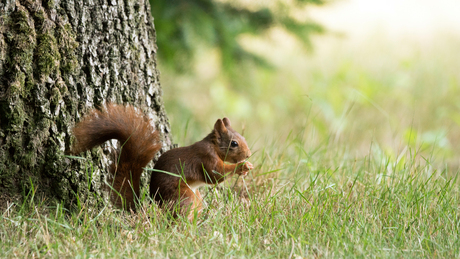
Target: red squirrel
(188,168)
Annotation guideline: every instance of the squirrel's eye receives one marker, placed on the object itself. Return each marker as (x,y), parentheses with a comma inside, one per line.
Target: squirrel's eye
(234,143)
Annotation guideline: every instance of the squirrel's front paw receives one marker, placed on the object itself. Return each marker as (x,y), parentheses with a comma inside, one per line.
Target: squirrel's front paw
(245,167)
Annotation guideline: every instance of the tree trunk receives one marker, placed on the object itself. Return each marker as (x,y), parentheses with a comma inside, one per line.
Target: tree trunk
(58,59)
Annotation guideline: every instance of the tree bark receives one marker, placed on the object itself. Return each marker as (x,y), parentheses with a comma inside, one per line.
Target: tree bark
(58,59)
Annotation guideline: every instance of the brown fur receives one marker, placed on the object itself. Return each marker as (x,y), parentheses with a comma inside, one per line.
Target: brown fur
(204,162)
(138,140)
(200,163)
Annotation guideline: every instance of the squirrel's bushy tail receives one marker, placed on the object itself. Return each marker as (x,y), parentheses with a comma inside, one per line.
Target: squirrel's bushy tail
(138,140)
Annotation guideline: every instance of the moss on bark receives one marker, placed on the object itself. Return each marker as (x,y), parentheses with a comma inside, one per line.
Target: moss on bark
(58,59)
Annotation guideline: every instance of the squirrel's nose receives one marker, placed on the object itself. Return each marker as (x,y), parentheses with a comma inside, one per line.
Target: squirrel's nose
(248,154)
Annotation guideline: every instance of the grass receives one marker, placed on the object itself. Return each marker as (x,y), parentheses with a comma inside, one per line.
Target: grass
(356,157)
(321,203)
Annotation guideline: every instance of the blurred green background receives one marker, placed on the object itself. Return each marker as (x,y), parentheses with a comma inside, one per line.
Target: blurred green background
(360,76)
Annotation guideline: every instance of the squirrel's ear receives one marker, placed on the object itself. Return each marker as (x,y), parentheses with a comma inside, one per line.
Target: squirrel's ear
(220,127)
(227,122)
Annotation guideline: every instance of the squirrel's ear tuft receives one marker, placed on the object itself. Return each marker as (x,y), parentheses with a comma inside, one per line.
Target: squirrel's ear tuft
(227,122)
(219,127)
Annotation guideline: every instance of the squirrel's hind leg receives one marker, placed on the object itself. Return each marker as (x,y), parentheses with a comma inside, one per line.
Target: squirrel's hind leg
(190,203)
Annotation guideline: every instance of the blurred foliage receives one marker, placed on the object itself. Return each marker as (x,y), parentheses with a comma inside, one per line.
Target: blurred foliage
(387,97)
(187,29)
(375,96)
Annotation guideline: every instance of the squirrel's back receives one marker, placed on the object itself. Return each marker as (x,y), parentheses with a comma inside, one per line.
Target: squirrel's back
(138,140)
